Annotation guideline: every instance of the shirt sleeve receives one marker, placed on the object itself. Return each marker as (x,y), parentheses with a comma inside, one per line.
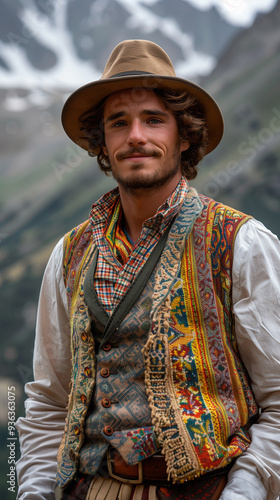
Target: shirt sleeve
(41,430)
(256,307)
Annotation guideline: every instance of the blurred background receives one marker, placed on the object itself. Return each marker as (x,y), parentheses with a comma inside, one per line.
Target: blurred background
(48,48)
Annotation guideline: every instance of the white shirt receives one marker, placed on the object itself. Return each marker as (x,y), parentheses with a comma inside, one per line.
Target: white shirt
(256,306)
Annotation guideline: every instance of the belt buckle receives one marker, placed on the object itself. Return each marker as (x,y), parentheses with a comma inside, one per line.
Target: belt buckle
(110,462)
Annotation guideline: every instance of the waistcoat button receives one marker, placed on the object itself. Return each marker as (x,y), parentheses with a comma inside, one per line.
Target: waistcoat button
(104,372)
(106,347)
(108,430)
(106,402)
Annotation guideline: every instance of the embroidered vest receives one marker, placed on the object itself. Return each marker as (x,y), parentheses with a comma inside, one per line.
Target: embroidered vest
(197,388)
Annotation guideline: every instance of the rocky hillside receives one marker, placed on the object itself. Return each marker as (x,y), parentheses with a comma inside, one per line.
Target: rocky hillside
(244,171)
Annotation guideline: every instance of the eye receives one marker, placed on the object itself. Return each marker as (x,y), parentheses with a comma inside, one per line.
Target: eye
(154,121)
(118,124)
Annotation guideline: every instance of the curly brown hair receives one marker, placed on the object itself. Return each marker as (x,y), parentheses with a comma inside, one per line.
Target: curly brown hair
(190,120)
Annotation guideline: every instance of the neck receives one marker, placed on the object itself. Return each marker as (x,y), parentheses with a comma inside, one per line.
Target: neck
(141,204)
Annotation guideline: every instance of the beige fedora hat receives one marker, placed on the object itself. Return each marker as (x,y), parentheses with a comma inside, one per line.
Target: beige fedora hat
(137,63)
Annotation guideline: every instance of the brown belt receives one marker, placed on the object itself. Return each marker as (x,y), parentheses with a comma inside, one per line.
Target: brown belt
(151,469)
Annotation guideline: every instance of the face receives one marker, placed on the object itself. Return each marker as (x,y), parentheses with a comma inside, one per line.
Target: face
(142,141)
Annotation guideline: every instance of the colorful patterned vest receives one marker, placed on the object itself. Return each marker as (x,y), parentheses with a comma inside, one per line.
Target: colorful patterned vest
(197,387)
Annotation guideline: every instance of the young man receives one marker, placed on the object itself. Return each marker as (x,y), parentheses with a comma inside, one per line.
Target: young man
(160,312)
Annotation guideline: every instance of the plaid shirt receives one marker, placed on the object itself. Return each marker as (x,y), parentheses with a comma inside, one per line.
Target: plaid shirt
(120,259)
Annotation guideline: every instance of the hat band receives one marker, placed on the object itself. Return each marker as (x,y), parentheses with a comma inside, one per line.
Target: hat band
(131,73)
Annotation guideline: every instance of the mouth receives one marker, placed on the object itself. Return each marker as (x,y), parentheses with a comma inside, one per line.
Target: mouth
(138,157)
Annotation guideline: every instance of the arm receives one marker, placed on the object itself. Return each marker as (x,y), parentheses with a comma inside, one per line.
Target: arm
(41,431)
(256,306)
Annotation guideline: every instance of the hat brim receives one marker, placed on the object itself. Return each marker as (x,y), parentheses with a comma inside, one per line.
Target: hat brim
(88,96)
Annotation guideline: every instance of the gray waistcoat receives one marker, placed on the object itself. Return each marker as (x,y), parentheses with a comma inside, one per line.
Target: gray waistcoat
(119,402)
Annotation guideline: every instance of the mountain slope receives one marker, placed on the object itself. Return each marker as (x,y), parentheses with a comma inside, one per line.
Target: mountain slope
(245,167)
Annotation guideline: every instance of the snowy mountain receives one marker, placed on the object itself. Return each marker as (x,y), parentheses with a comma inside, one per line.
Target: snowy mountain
(61,44)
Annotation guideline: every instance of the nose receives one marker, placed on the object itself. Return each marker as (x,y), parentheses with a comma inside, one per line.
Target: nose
(136,133)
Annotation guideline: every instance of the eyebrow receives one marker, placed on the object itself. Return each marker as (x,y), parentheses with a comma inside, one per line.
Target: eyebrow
(115,116)
(149,112)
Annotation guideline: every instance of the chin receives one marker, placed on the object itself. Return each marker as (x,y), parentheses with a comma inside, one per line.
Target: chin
(141,181)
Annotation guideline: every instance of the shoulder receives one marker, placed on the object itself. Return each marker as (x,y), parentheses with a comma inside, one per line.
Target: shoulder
(75,242)
(79,235)
(255,234)
(77,232)
(220,222)
(256,254)
(220,210)
(53,270)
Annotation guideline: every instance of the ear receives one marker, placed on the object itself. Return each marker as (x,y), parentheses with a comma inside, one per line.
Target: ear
(184,145)
(104,149)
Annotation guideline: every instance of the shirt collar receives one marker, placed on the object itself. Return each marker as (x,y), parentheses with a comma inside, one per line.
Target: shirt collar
(103,209)
(172,205)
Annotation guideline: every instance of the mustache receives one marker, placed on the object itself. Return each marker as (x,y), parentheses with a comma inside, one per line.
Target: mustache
(140,151)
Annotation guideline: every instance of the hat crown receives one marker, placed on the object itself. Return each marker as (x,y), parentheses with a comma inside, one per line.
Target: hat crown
(136,63)
(138,56)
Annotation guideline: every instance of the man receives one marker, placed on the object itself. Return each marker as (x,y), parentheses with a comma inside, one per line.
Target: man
(160,312)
